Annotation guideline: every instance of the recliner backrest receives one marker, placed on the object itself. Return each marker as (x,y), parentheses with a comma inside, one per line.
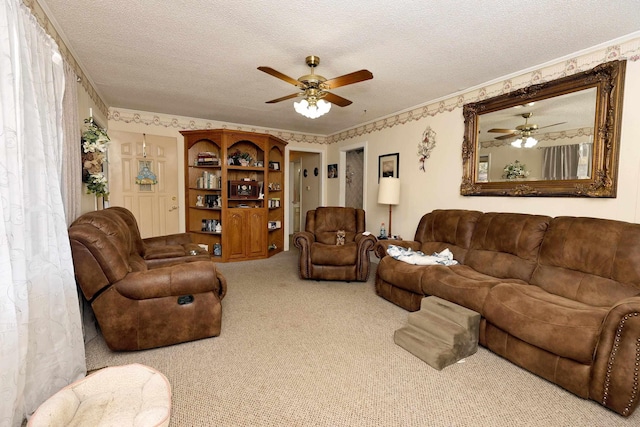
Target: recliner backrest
(101,251)
(506,245)
(447,229)
(590,260)
(326,221)
(127,216)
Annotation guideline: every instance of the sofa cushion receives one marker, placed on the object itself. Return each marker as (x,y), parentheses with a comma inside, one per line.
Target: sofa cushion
(559,325)
(459,284)
(506,245)
(590,260)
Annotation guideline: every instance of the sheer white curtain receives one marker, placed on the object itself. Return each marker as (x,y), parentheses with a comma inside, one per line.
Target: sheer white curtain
(41,347)
(71,154)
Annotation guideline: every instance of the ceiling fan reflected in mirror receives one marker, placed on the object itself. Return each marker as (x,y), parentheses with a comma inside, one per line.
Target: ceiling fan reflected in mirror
(316,100)
(524,133)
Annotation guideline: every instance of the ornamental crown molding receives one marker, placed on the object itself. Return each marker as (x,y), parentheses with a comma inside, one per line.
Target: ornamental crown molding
(628,50)
(186,123)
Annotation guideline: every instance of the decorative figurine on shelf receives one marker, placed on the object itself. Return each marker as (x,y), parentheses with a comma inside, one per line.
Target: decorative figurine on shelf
(200,201)
(217,249)
(218,227)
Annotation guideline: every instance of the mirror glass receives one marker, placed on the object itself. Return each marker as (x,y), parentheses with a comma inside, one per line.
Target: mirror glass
(551,139)
(558,138)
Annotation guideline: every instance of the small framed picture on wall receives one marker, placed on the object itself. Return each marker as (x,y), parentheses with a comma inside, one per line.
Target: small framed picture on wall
(332,171)
(388,166)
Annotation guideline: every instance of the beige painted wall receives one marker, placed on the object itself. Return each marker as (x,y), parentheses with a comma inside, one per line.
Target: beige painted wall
(438,187)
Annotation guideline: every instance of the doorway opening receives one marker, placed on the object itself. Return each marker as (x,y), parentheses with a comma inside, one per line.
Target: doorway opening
(353,186)
(305,187)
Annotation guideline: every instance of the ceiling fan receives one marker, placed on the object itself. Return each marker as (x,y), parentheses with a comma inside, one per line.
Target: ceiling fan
(524,131)
(314,87)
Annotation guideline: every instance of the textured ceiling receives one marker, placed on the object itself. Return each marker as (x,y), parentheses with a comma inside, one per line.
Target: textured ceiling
(199,58)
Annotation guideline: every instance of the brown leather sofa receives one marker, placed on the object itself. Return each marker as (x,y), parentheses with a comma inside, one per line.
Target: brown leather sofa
(559,297)
(321,258)
(140,303)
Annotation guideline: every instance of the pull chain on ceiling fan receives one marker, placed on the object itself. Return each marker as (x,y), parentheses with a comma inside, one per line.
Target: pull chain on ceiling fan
(314,89)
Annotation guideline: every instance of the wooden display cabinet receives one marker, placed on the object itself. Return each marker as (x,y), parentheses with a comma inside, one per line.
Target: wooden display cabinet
(234,187)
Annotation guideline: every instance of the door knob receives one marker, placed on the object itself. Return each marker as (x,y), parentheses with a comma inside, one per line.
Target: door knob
(173,208)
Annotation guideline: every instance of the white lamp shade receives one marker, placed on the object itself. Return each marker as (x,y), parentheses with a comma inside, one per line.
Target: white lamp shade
(389,191)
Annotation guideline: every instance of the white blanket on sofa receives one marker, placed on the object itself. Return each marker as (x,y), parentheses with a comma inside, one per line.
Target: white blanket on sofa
(418,258)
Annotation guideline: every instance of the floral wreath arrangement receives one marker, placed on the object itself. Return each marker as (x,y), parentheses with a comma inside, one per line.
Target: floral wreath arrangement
(515,170)
(425,146)
(94,148)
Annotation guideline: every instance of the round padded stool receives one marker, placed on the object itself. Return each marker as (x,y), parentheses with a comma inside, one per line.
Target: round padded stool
(128,395)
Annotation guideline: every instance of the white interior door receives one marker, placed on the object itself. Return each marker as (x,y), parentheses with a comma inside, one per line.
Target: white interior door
(154,206)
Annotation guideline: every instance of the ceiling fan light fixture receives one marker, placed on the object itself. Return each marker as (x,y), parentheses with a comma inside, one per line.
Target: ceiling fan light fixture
(312,110)
(525,142)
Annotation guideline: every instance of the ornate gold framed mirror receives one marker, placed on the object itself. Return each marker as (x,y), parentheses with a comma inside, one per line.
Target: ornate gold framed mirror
(557,138)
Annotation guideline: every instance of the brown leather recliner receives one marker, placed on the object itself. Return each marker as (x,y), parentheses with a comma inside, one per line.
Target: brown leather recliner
(160,250)
(137,305)
(321,258)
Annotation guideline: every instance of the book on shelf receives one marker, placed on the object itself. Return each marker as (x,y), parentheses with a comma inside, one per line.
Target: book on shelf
(209,181)
(207,158)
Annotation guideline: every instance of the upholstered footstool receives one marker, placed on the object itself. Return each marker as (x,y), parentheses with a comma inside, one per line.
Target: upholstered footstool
(129,395)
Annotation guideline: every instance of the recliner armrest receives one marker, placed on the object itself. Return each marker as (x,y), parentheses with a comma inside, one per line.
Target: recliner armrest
(365,245)
(303,239)
(367,241)
(180,279)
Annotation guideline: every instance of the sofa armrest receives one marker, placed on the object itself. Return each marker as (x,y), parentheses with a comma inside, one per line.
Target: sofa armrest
(380,248)
(170,239)
(616,369)
(180,279)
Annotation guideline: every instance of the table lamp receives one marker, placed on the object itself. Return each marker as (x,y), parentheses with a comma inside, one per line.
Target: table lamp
(389,194)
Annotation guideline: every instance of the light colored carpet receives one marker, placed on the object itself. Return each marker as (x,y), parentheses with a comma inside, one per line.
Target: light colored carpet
(308,353)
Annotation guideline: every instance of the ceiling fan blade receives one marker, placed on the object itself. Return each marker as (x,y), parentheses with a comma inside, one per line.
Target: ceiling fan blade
(348,79)
(506,136)
(498,130)
(335,99)
(284,98)
(279,75)
(555,124)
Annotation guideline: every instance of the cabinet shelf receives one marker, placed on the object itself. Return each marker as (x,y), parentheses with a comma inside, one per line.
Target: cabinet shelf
(205,189)
(204,208)
(245,234)
(246,168)
(206,167)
